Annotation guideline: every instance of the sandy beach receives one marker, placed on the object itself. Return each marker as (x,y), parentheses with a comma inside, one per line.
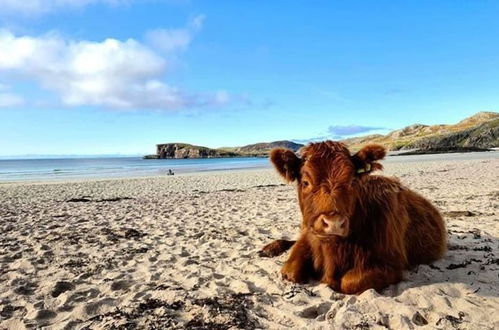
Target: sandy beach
(182,252)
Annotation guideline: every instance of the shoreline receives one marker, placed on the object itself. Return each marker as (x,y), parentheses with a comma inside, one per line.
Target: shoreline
(133,178)
(391,158)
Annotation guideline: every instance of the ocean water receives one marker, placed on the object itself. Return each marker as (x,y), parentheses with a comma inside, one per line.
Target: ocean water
(14,170)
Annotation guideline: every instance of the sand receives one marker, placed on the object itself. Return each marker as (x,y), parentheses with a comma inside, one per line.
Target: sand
(181,252)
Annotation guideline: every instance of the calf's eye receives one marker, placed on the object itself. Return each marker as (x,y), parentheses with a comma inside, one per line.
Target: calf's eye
(305,183)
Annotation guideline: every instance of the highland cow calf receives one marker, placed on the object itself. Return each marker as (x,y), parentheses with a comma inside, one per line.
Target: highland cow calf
(359,231)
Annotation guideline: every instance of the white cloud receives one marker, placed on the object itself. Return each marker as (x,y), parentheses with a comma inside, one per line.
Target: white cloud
(222,97)
(169,40)
(111,73)
(196,22)
(10,100)
(30,7)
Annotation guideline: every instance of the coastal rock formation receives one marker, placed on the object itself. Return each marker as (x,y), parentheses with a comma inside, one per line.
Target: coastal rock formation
(478,132)
(183,150)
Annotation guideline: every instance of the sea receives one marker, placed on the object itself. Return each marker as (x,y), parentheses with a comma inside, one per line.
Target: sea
(14,170)
(63,169)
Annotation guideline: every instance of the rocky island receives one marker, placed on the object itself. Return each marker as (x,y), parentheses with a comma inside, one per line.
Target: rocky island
(185,150)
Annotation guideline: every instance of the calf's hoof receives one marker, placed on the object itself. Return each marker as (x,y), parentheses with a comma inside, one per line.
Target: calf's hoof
(332,283)
(293,273)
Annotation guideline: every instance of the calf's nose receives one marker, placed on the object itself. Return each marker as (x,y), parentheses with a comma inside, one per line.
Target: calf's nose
(337,225)
(330,224)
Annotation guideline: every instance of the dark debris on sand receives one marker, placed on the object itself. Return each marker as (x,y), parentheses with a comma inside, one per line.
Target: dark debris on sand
(128,319)
(454,321)
(457,214)
(133,233)
(270,185)
(86,199)
(234,308)
(227,312)
(483,244)
(128,233)
(419,319)
(463,264)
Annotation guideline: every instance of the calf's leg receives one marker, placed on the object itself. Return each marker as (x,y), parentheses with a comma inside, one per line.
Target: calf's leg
(356,281)
(276,248)
(324,262)
(298,267)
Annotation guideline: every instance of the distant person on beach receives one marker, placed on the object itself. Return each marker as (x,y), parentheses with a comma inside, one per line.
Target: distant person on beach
(170,172)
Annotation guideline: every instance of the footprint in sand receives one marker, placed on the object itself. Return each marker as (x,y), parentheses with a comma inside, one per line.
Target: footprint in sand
(316,312)
(10,310)
(101,306)
(44,315)
(121,285)
(23,287)
(43,318)
(61,287)
(84,295)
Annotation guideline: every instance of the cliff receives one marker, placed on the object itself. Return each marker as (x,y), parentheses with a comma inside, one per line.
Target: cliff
(485,135)
(478,131)
(263,149)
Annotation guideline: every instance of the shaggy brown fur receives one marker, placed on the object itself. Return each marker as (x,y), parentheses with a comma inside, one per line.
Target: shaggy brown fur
(359,231)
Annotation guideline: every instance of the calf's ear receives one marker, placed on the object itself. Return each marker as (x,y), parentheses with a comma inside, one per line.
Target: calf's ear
(286,163)
(365,159)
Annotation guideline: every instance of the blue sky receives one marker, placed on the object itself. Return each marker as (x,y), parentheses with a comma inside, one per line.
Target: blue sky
(115,76)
